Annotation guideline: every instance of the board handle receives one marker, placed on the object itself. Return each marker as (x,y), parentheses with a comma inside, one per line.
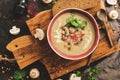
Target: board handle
(20,43)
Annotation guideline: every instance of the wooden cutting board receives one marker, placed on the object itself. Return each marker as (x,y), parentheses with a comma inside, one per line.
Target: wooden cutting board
(27,46)
(24,47)
(46,55)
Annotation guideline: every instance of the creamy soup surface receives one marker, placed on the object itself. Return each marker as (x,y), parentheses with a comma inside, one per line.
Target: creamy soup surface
(72,45)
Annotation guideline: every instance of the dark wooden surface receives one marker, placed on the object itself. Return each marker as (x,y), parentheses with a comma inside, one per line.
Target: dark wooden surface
(7,20)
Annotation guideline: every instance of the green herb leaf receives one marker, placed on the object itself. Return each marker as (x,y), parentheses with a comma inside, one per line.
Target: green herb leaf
(75,22)
(70,19)
(20,74)
(92,72)
(78,73)
(54,1)
(83,24)
(78,20)
(92,78)
(95,70)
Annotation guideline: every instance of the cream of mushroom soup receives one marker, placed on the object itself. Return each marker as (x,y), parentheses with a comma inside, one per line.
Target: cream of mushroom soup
(72,33)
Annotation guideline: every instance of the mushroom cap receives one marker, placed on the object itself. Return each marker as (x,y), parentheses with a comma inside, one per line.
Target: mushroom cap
(111,2)
(34,73)
(73,76)
(47,1)
(14,30)
(113,14)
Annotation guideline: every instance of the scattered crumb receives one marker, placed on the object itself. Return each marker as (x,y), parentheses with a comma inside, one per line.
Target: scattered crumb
(3,72)
(2,67)
(28,16)
(8,69)
(11,77)
(13,20)
(27,77)
(66,70)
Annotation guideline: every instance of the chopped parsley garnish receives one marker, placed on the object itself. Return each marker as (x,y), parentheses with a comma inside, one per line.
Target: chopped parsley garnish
(75,22)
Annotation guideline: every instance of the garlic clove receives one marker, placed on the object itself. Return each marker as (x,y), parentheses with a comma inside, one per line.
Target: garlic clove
(113,14)
(47,1)
(111,2)
(14,30)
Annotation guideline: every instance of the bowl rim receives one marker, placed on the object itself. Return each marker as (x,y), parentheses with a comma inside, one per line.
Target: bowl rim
(88,52)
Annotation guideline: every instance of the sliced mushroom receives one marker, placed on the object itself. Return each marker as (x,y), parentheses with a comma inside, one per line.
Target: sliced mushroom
(71,30)
(64,37)
(74,77)
(66,30)
(15,30)
(63,32)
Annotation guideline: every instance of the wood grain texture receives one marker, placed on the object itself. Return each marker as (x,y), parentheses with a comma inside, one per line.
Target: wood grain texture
(20,43)
(24,46)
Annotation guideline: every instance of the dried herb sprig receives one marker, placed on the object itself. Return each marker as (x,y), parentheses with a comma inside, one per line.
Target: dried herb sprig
(92,72)
(19,75)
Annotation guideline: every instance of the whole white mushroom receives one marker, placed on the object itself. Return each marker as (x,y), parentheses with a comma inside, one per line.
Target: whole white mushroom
(74,77)
(47,1)
(113,14)
(111,2)
(34,73)
(14,30)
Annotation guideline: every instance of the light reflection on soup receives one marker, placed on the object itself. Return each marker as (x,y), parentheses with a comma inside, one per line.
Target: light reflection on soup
(62,45)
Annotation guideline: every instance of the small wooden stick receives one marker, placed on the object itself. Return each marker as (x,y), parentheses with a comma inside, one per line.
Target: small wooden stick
(90,58)
(12,59)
